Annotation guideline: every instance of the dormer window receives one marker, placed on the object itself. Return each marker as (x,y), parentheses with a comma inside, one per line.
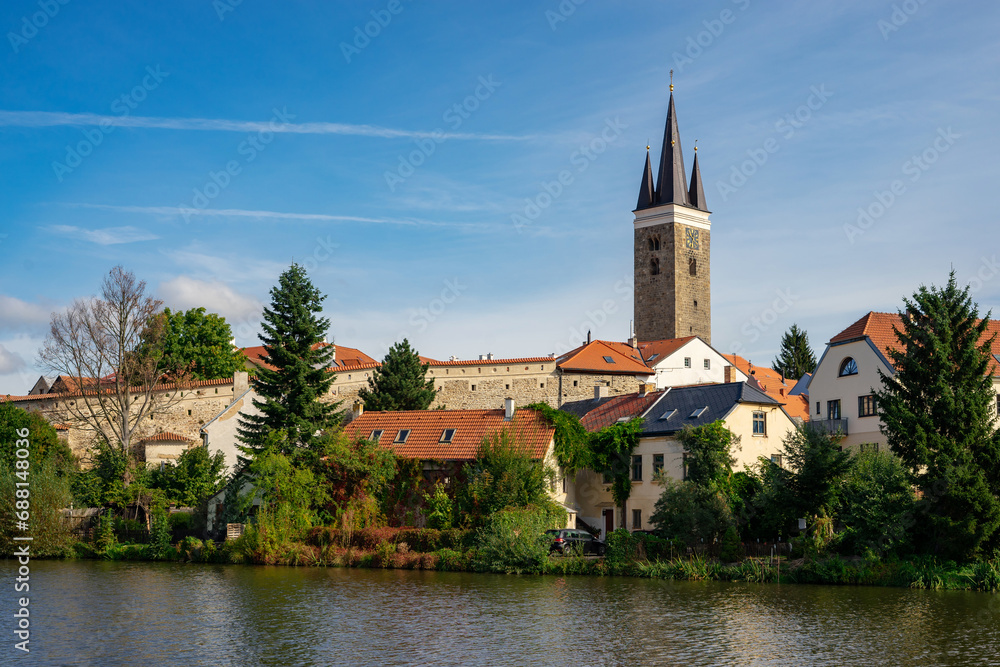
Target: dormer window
(376,435)
(402,435)
(698,413)
(848,367)
(447,435)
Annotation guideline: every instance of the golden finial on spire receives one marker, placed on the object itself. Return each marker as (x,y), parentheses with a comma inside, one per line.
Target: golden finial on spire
(671,80)
(647,144)
(696,145)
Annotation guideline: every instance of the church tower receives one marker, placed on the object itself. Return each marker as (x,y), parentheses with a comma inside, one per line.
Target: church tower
(673,296)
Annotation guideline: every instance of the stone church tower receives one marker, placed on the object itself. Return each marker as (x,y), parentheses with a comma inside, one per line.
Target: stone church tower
(673,296)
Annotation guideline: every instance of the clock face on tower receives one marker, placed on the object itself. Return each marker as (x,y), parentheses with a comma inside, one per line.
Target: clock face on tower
(691,239)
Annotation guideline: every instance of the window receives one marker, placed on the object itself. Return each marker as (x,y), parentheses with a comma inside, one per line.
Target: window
(609,360)
(687,362)
(698,412)
(848,367)
(376,435)
(402,435)
(653,356)
(473,387)
(833,409)
(693,266)
(637,467)
(654,266)
(636,519)
(447,435)
(657,464)
(668,414)
(708,364)
(575,382)
(777,460)
(651,243)
(759,423)
(866,405)
(817,408)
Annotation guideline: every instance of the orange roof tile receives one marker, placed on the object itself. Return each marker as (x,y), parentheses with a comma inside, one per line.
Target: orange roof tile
(185,386)
(494,361)
(775,385)
(662,348)
(618,407)
(879,328)
(595,356)
(166,436)
(471,426)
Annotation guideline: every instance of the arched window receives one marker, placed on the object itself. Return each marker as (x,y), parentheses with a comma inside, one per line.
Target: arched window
(848,367)
(650,239)
(693,266)
(656,243)
(654,267)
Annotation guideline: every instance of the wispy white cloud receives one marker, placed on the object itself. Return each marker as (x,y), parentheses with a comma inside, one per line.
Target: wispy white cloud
(183,212)
(215,296)
(58,118)
(10,362)
(17,315)
(107,235)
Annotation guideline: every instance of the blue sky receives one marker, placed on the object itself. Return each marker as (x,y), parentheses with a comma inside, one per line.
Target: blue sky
(207,145)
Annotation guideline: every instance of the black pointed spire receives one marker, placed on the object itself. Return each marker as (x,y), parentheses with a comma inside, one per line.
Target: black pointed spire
(696,193)
(646,193)
(671,183)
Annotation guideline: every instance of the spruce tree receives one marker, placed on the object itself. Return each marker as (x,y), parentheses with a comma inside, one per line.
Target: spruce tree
(399,384)
(796,358)
(937,415)
(291,392)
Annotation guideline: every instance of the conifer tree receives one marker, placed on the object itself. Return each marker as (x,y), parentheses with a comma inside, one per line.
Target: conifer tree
(293,342)
(399,384)
(796,358)
(937,415)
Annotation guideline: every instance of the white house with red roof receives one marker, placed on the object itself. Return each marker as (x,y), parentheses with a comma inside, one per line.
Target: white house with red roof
(841,392)
(685,361)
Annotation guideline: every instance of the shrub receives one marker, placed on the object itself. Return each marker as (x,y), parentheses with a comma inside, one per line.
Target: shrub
(731,550)
(514,541)
(451,560)
(622,552)
(691,513)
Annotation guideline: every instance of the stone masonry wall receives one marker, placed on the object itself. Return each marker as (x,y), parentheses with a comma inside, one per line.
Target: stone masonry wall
(654,305)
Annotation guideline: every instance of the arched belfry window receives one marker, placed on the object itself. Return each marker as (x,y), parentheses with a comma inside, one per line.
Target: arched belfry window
(848,367)
(654,267)
(656,243)
(693,266)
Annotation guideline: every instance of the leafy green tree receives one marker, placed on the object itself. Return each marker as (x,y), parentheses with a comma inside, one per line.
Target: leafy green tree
(503,475)
(50,493)
(795,357)
(198,345)
(709,457)
(690,512)
(399,383)
(937,415)
(611,455)
(44,441)
(292,393)
(196,477)
(876,504)
(281,489)
(350,476)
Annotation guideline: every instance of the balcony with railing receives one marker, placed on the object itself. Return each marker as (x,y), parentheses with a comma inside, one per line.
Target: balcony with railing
(831,426)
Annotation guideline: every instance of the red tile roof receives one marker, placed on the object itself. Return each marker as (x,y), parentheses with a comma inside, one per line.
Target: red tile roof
(590,357)
(495,361)
(775,385)
(879,328)
(618,407)
(185,386)
(166,436)
(471,426)
(662,348)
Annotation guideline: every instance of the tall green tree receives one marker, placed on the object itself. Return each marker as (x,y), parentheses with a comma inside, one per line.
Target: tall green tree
(611,455)
(292,392)
(796,357)
(45,442)
(198,345)
(503,475)
(399,384)
(709,457)
(937,415)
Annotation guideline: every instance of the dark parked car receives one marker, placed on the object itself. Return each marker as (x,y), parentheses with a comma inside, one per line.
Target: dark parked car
(568,541)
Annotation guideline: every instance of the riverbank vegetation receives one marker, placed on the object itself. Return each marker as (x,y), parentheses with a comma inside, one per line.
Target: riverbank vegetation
(925,514)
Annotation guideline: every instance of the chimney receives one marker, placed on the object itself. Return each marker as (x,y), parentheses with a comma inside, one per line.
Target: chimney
(781,392)
(633,340)
(240,383)
(357,409)
(588,336)
(508,409)
(489,356)
(727,374)
(482,357)
(600,391)
(646,388)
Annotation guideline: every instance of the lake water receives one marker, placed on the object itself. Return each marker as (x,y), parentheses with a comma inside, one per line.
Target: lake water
(97,613)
